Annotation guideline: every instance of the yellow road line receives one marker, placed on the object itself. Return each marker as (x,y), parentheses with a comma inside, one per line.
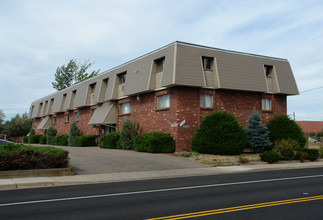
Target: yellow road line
(240,208)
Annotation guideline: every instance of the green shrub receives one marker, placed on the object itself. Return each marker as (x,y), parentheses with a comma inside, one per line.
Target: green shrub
(24,157)
(219,133)
(74,133)
(34,139)
(42,139)
(282,127)
(31,133)
(270,156)
(128,132)
(85,140)
(62,140)
(51,133)
(154,142)
(53,141)
(289,149)
(258,135)
(25,139)
(110,140)
(313,154)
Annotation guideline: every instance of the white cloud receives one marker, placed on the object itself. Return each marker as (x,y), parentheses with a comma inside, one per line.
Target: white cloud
(37,36)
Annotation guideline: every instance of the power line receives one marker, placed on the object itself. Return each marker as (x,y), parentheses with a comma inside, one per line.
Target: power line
(321,87)
(310,64)
(306,42)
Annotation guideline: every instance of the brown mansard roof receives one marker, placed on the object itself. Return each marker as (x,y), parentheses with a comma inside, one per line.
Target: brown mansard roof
(182,67)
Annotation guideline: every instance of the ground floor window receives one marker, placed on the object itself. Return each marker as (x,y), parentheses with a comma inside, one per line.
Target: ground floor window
(109,129)
(206,101)
(266,105)
(163,101)
(125,108)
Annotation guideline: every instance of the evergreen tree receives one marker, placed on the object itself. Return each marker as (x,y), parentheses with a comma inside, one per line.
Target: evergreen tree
(51,133)
(258,135)
(31,133)
(74,133)
(129,131)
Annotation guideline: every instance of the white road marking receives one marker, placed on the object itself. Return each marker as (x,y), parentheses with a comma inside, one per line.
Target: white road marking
(159,190)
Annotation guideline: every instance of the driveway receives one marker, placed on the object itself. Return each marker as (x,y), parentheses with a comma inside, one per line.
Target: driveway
(94,160)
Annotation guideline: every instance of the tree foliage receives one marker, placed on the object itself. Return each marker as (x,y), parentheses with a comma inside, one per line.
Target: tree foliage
(74,133)
(282,127)
(2,116)
(18,126)
(51,133)
(128,132)
(258,135)
(73,73)
(219,133)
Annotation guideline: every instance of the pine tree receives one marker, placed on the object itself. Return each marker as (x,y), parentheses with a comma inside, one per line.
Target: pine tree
(51,133)
(74,133)
(258,135)
(129,131)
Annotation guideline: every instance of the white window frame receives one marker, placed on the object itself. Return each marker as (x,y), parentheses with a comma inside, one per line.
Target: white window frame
(76,116)
(266,104)
(125,108)
(67,117)
(54,120)
(163,101)
(206,101)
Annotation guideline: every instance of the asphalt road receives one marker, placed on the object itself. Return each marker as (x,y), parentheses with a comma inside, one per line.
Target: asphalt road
(286,194)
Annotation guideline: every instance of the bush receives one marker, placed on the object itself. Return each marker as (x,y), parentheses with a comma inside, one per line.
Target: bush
(282,127)
(62,140)
(270,156)
(34,139)
(25,139)
(128,132)
(313,154)
(74,133)
(258,135)
(110,140)
(42,139)
(24,157)
(219,133)
(85,140)
(31,133)
(51,132)
(53,141)
(289,149)
(154,142)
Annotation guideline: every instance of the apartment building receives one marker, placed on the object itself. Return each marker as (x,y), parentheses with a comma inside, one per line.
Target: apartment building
(170,90)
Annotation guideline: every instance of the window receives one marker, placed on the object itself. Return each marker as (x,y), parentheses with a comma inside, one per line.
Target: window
(122,77)
(67,117)
(207,63)
(92,88)
(125,108)
(76,116)
(163,101)
(268,70)
(206,101)
(266,105)
(160,64)
(92,111)
(54,120)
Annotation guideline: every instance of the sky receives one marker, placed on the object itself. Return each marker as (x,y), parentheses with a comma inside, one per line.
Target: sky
(37,36)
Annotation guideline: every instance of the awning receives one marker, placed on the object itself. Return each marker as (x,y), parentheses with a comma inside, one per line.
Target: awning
(45,123)
(105,114)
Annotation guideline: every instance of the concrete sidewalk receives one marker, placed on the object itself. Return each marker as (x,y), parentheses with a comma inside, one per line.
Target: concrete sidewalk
(20,183)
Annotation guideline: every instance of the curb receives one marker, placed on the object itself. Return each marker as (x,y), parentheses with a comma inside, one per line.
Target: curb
(37,173)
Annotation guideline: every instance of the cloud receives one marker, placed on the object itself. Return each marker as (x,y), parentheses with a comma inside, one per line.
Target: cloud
(38,36)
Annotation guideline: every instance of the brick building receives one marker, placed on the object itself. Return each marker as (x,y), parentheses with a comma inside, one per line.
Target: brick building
(170,90)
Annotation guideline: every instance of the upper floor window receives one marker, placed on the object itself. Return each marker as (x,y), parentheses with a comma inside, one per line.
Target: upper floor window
(125,108)
(122,77)
(54,120)
(207,63)
(266,104)
(76,116)
(206,101)
(268,70)
(163,101)
(160,64)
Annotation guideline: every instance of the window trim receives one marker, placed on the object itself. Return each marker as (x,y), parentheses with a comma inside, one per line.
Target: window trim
(124,113)
(78,116)
(159,97)
(264,105)
(54,120)
(68,118)
(122,77)
(206,107)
